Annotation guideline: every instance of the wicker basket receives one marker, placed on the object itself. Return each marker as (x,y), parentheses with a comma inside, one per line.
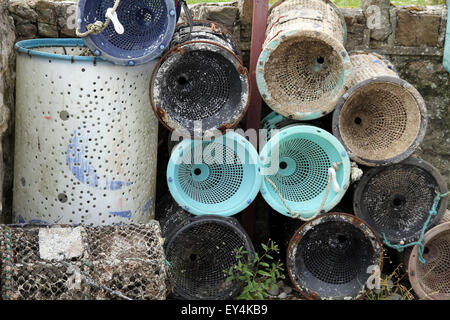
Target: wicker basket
(304,66)
(381,119)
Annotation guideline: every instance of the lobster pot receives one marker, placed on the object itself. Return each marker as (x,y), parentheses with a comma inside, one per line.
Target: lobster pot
(331,257)
(396,200)
(198,254)
(431,280)
(61,262)
(306,171)
(148,27)
(381,119)
(303,67)
(216,177)
(200,87)
(85,143)
(171,216)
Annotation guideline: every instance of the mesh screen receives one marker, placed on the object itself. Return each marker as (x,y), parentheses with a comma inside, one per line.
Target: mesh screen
(307,80)
(304,173)
(212,183)
(199,85)
(379,121)
(330,259)
(125,262)
(433,277)
(199,253)
(144,23)
(397,200)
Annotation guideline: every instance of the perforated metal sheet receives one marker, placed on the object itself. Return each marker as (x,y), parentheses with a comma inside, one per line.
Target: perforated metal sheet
(200,251)
(86,145)
(303,67)
(128,260)
(396,200)
(328,257)
(200,86)
(432,279)
(382,118)
(305,155)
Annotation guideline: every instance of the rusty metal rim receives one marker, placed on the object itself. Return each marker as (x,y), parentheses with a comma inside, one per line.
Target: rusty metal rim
(221,26)
(413,261)
(355,221)
(411,148)
(411,161)
(222,129)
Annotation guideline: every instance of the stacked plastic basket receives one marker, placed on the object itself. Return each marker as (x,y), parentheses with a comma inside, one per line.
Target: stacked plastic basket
(378,120)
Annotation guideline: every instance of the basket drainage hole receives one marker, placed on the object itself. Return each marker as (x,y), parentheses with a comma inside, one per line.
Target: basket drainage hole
(62,197)
(182,80)
(22,181)
(397,201)
(193,257)
(358,120)
(197,172)
(342,238)
(320,60)
(283,165)
(64,115)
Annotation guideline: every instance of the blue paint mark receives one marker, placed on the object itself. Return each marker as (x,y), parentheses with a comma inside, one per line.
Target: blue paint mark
(116,185)
(148,206)
(37,221)
(83,171)
(77,162)
(123,214)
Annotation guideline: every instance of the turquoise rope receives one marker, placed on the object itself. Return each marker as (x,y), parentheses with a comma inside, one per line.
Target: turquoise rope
(419,243)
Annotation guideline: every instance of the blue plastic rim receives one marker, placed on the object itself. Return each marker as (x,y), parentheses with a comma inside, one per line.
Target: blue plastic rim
(300,172)
(215,177)
(30,47)
(446,62)
(149,26)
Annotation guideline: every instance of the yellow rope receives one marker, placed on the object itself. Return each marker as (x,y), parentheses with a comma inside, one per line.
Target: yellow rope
(98,26)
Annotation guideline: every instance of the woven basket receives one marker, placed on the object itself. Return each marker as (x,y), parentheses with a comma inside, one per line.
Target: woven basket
(304,66)
(381,119)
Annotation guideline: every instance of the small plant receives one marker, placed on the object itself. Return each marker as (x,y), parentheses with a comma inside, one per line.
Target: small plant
(259,273)
(390,287)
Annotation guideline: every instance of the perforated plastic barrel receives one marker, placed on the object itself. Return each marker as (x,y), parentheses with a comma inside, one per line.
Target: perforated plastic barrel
(200,86)
(430,281)
(381,119)
(297,161)
(85,143)
(218,177)
(303,67)
(148,27)
(200,251)
(396,200)
(329,257)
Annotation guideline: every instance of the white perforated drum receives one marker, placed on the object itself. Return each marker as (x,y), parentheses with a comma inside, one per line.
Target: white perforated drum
(86,138)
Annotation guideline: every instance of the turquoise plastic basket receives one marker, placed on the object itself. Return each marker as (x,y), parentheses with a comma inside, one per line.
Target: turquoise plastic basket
(301,173)
(217,177)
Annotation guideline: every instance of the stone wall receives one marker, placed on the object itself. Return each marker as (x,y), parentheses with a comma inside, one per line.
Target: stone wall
(412,37)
